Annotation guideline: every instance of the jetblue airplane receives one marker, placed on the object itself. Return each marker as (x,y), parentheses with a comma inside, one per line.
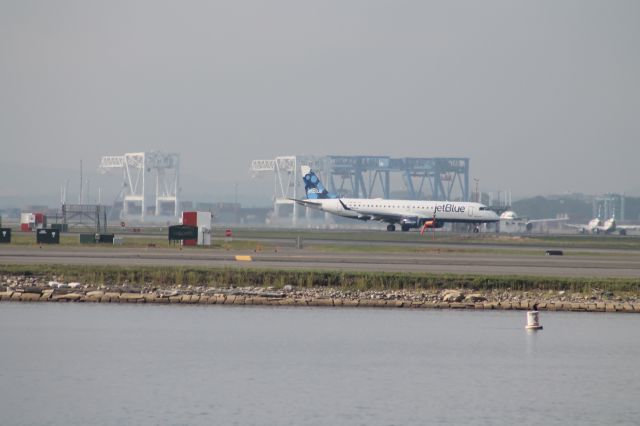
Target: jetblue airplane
(406,213)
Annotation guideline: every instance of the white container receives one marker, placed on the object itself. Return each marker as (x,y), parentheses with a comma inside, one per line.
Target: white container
(204,228)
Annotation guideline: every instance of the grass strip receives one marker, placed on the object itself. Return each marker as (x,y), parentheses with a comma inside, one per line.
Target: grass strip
(344,280)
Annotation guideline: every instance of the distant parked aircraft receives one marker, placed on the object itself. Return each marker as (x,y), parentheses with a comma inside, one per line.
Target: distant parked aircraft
(511,222)
(406,213)
(609,226)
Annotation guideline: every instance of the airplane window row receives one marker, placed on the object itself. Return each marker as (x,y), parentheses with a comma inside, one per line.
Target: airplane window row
(395,206)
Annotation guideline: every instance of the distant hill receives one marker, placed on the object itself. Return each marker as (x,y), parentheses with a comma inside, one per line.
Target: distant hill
(541,207)
(579,208)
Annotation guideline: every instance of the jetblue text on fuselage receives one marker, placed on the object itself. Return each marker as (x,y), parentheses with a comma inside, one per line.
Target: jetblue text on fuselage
(449,207)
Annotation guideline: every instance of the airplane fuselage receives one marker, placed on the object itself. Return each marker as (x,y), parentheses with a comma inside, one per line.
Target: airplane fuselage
(409,213)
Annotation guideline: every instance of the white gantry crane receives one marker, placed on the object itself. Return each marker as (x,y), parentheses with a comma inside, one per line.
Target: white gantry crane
(287,179)
(134,167)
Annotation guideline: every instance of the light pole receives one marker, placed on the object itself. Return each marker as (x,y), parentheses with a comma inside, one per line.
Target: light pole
(235,202)
(477,181)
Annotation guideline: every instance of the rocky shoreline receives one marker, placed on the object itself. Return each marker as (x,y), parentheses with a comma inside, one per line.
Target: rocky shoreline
(33,289)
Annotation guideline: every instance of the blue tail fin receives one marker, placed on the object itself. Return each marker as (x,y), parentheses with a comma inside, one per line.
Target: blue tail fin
(313,187)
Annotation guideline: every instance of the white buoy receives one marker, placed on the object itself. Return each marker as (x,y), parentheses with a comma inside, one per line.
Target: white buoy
(533,322)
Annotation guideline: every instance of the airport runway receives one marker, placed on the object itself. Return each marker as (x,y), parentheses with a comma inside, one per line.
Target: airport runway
(572,264)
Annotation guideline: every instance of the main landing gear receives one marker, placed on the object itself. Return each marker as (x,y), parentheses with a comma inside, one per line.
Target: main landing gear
(391,228)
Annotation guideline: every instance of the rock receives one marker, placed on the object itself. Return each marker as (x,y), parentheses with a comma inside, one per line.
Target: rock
(186,298)
(324,302)
(72,297)
(30,297)
(474,298)
(131,297)
(452,296)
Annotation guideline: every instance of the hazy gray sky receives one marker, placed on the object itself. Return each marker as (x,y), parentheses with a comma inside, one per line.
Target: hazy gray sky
(543,96)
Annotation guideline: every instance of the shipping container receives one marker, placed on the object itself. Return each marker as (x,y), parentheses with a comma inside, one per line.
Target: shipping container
(105,238)
(191,219)
(27,222)
(87,238)
(40,220)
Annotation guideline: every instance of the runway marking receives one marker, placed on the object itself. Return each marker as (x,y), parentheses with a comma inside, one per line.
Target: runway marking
(244,258)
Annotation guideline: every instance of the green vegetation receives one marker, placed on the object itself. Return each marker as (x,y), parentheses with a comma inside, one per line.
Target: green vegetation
(213,277)
(334,240)
(441,238)
(73,240)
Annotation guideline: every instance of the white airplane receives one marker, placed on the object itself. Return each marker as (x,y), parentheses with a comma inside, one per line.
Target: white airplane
(406,213)
(593,226)
(609,226)
(510,222)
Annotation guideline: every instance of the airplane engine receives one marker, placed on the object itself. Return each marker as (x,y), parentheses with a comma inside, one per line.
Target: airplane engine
(410,222)
(529,227)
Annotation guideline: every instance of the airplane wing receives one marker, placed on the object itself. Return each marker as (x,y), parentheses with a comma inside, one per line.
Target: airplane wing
(390,217)
(628,227)
(564,219)
(574,225)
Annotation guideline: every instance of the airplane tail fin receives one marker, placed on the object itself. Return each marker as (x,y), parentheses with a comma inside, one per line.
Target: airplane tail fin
(312,185)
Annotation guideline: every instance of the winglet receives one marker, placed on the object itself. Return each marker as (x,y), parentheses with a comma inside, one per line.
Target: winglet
(344,206)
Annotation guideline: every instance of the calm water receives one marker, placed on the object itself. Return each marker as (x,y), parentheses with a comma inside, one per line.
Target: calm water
(77,364)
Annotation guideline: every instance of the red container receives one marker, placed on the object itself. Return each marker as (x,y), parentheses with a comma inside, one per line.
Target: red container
(190,218)
(25,227)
